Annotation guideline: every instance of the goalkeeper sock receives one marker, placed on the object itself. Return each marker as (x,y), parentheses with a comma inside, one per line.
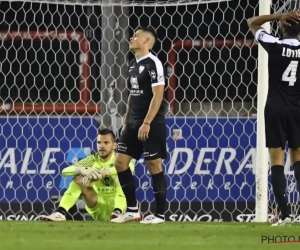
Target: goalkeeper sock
(128,186)
(279,185)
(69,198)
(160,193)
(297,174)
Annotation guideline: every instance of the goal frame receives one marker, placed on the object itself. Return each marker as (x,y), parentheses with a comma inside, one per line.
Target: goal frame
(84,105)
(189,44)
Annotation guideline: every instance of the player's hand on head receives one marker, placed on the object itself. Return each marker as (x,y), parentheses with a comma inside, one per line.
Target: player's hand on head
(290,17)
(144,132)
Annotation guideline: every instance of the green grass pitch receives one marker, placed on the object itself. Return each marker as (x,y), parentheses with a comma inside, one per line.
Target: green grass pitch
(38,235)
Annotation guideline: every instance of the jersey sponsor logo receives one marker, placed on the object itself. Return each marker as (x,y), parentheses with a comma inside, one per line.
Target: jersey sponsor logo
(107,189)
(121,147)
(134,82)
(136,92)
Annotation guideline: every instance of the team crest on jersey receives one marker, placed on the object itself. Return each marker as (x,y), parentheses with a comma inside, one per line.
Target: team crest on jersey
(141,68)
(152,74)
(134,82)
(107,181)
(111,165)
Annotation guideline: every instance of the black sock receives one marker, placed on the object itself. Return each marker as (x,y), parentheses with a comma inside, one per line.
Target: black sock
(297,174)
(127,182)
(279,186)
(61,210)
(160,193)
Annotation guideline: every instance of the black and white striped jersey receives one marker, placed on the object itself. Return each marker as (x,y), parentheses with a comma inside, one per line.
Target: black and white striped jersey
(144,74)
(283,68)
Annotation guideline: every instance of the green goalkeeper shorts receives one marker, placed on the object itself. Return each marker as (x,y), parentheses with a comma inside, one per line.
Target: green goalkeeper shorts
(103,209)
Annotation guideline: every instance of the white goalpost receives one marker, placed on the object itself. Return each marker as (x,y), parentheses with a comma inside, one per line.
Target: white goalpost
(261,175)
(262,159)
(63,71)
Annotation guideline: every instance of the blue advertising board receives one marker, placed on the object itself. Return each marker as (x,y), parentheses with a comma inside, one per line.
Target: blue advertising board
(34,150)
(208,159)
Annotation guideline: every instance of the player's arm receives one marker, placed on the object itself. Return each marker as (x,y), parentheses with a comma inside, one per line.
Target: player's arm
(127,111)
(158,88)
(83,167)
(265,39)
(255,23)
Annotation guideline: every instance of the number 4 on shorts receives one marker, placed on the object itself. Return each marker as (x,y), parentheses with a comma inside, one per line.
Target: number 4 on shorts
(289,74)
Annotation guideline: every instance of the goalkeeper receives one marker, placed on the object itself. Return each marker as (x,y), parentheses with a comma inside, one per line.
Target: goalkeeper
(95,178)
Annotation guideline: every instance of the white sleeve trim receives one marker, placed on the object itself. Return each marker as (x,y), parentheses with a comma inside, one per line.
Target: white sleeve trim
(157,84)
(258,33)
(159,68)
(262,35)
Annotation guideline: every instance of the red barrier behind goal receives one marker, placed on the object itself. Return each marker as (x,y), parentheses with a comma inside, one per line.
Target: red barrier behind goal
(81,107)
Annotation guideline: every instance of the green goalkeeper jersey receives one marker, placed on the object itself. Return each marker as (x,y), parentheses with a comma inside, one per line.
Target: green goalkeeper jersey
(109,185)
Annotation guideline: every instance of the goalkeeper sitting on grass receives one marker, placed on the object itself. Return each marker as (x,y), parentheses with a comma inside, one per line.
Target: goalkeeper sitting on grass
(96,179)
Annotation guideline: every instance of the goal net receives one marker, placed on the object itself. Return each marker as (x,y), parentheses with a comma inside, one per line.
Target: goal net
(63,70)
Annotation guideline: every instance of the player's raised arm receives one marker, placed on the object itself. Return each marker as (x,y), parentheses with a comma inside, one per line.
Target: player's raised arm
(266,40)
(255,23)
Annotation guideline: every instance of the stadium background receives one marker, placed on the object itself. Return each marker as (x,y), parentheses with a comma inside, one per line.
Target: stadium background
(222,79)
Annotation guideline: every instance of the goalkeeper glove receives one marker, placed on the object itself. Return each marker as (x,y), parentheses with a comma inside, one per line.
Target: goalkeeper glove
(105,172)
(88,182)
(90,173)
